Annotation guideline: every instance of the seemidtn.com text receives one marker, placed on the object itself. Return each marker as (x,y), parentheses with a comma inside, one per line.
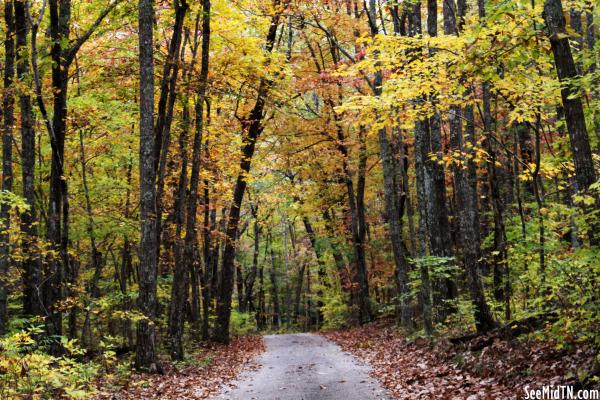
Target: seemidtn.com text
(560,393)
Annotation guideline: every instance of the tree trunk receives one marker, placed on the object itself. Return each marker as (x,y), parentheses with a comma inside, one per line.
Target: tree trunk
(357,214)
(276,321)
(164,116)
(571,101)
(249,300)
(127,262)
(424,186)
(466,194)
(147,303)
(251,128)
(438,226)
(31,261)
(189,266)
(57,234)
(391,196)
(8,105)
(261,321)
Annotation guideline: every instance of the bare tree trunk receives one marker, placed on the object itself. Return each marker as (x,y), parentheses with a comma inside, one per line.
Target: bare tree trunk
(31,261)
(571,101)
(164,117)
(391,196)
(190,253)
(147,303)
(8,105)
(127,262)
(466,190)
(424,187)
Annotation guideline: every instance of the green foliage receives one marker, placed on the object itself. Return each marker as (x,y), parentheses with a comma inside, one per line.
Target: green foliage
(27,372)
(242,323)
(336,312)
(573,287)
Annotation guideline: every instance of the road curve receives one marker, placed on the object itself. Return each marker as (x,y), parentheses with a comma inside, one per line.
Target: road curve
(304,367)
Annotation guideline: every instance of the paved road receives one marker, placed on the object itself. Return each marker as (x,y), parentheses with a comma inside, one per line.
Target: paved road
(304,367)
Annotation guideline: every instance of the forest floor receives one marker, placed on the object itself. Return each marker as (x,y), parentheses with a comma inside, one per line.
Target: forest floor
(375,361)
(423,369)
(201,376)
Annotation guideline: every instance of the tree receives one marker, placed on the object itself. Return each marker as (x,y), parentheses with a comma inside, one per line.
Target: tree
(252,127)
(566,70)
(8,105)
(31,263)
(391,195)
(145,355)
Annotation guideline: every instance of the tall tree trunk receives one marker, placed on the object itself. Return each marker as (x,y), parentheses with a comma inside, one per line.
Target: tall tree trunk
(8,105)
(146,330)
(127,260)
(181,276)
(571,102)
(209,256)
(31,260)
(501,267)
(251,130)
(180,195)
(206,274)
(57,230)
(466,193)
(424,186)
(164,116)
(391,196)
(438,226)
(190,253)
(355,200)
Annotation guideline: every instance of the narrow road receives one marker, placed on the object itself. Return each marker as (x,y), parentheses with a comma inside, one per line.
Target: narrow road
(304,367)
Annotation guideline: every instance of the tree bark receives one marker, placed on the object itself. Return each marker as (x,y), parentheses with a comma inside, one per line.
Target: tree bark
(424,185)
(146,330)
(466,191)
(8,105)
(31,260)
(391,196)
(566,69)
(164,116)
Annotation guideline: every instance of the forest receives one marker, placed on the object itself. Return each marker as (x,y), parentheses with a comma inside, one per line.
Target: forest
(180,177)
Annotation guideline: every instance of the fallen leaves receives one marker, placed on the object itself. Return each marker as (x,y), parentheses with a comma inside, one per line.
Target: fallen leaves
(223,364)
(422,370)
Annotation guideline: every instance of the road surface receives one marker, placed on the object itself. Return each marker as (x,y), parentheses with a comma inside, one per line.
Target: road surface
(304,367)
